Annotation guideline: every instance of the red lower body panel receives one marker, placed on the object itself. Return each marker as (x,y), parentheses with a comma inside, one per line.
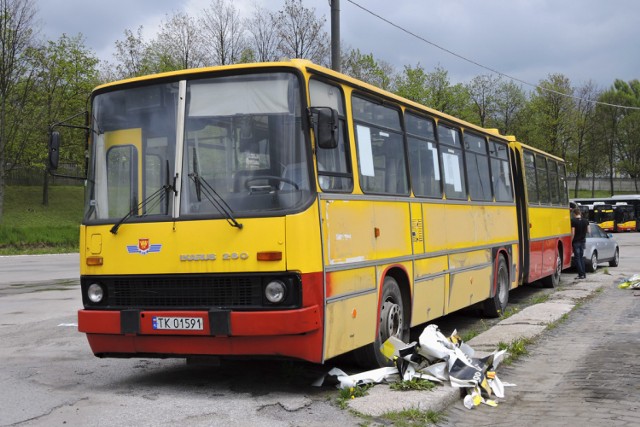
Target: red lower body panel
(542,257)
(287,333)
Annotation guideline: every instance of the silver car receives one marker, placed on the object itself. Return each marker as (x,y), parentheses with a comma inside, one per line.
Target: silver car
(600,247)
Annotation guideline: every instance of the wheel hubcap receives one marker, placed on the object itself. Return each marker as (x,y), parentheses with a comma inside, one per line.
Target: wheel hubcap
(391,320)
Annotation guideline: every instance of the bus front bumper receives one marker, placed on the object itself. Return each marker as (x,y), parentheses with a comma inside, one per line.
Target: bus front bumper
(138,333)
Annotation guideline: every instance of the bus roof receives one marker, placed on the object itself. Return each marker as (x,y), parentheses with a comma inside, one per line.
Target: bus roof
(310,67)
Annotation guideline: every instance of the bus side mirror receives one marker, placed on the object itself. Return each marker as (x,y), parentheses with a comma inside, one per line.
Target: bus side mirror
(326,126)
(54,150)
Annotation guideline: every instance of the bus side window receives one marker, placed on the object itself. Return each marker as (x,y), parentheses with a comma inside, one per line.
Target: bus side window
(452,162)
(424,163)
(543,180)
(500,174)
(381,151)
(334,165)
(554,183)
(477,164)
(530,176)
(564,194)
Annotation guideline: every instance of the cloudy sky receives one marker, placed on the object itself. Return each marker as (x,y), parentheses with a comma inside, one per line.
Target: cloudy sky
(596,40)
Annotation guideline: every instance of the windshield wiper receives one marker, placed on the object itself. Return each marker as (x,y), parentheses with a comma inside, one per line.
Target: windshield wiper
(150,202)
(203,187)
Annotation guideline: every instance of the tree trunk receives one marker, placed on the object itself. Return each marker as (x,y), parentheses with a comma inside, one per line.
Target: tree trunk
(45,188)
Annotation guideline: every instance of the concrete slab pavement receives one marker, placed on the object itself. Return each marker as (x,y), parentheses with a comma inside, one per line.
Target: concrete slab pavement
(528,323)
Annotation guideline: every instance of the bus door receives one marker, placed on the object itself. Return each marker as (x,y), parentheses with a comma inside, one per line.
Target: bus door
(517,164)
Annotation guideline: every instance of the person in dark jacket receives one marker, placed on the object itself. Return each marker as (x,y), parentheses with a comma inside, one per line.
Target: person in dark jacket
(579,229)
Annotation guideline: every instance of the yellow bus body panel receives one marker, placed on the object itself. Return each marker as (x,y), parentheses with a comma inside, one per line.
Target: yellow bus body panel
(205,246)
(351,313)
(361,230)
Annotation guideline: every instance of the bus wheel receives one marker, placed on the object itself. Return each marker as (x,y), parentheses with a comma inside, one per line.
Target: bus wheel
(495,305)
(391,323)
(554,280)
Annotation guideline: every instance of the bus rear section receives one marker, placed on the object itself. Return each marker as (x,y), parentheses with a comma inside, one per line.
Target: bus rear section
(544,216)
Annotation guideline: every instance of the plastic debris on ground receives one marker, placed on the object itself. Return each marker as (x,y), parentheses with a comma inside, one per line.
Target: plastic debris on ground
(437,358)
(632,282)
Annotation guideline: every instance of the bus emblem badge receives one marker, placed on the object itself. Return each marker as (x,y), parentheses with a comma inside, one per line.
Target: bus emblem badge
(143,247)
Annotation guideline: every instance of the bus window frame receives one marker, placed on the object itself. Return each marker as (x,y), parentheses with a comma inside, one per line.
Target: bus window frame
(456,146)
(328,179)
(472,153)
(361,154)
(437,176)
(500,160)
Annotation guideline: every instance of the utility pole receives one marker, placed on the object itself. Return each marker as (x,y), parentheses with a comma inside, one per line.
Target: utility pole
(335,35)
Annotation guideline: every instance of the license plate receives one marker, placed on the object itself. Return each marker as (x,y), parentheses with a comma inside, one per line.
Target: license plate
(178,323)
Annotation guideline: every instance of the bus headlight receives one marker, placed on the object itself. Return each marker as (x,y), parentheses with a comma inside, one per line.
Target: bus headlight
(95,293)
(275,291)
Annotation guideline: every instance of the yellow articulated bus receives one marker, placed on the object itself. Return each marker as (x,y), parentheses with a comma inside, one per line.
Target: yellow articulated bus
(286,210)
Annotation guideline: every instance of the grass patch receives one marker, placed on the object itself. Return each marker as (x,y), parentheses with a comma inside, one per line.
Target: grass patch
(510,311)
(539,299)
(469,335)
(555,324)
(412,418)
(516,349)
(28,227)
(413,384)
(346,394)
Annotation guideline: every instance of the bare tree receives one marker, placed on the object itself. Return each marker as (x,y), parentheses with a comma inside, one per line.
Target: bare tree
(131,54)
(223,32)
(263,35)
(301,34)
(178,45)
(482,92)
(510,99)
(587,153)
(16,76)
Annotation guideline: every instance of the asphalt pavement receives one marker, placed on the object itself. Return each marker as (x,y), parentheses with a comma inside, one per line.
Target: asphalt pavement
(556,395)
(40,268)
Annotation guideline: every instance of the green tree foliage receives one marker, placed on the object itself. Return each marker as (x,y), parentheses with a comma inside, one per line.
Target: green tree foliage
(17,18)
(549,113)
(66,73)
(366,68)
(621,126)
(434,90)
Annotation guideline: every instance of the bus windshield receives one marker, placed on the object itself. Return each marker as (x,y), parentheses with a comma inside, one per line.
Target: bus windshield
(238,142)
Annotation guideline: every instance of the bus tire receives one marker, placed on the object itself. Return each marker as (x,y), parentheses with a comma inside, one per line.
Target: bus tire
(391,323)
(554,280)
(495,305)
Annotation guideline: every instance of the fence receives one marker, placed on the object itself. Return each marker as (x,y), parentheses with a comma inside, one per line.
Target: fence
(620,185)
(35,176)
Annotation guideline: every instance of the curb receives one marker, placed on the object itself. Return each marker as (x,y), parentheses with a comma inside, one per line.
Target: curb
(528,324)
